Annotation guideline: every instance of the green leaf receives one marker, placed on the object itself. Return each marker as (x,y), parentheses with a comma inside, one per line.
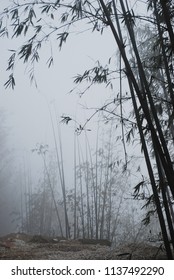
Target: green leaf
(46,8)
(50,61)
(3,32)
(57,2)
(66,119)
(19,28)
(26,51)
(146,220)
(11,61)
(10,82)
(14,14)
(38,28)
(64,17)
(62,37)
(137,188)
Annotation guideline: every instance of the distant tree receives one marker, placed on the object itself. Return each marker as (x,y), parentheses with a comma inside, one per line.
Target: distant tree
(6,176)
(3,145)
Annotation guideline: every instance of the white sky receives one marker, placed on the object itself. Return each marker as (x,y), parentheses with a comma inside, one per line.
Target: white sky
(27,107)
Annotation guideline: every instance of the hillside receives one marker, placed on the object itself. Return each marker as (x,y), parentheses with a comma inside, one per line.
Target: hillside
(23,246)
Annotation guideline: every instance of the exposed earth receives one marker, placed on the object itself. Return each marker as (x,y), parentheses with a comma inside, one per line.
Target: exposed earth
(19,246)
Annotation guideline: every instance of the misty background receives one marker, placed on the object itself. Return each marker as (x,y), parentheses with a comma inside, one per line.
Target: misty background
(28,115)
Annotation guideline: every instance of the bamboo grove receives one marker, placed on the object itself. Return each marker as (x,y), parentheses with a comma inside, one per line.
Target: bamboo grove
(148,68)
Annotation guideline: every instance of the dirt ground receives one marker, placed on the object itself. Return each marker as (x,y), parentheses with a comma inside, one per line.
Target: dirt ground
(19,246)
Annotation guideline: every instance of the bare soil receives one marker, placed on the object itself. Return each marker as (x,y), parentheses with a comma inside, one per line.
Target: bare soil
(19,246)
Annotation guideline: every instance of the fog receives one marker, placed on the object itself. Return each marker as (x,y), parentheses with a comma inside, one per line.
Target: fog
(27,123)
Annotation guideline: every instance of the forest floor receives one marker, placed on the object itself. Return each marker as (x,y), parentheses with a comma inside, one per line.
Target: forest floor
(25,247)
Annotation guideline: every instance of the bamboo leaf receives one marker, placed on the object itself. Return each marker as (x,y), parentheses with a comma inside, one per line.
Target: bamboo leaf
(26,51)
(10,82)
(137,188)
(50,61)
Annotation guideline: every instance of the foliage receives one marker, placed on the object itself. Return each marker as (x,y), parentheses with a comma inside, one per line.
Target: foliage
(145,61)
(41,22)
(100,190)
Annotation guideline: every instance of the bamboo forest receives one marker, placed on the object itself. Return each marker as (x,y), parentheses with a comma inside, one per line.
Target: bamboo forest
(87,128)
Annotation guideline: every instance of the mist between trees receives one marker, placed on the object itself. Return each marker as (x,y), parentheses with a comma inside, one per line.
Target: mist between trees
(99,204)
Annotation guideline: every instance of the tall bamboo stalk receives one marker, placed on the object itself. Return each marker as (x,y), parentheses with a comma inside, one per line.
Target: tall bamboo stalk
(132,82)
(162,148)
(52,193)
(75,190)
(81,191)
(61,172)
